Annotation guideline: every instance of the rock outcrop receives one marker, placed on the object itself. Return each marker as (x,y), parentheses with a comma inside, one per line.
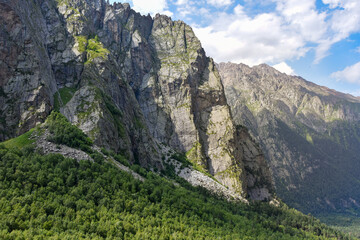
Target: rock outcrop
(310,134)
(44,146)
(128,81)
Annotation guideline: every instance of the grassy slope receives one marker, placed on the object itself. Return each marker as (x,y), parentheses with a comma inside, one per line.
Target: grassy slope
(20,141)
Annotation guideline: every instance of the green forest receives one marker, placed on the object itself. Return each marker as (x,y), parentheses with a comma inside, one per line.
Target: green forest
(53,197)
(50,196)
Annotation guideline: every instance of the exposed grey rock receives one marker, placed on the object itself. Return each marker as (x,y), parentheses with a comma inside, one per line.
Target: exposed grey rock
(197,178)
(126,169)
(46,147)
(135,80)
(26,80)
(309,134)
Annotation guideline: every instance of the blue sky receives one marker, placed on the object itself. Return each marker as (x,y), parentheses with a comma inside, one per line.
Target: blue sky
(316,39)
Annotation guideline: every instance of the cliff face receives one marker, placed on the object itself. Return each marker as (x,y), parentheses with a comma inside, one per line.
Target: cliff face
(26,80)
(129,81)
(310,135)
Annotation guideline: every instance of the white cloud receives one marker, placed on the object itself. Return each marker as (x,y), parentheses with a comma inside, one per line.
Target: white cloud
(287,33)
(355,93)
(284,68)
(167,12)
(358,49)
(220,3)
(252,40)
(152,7)
(332,3)
(186,10)
(343,21)
(181,2)
(349,74)
(204,12)
(302,17)
(326,28)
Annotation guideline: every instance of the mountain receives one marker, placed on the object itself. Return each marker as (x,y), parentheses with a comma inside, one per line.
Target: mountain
(132,83)
(116,125)
(310,135)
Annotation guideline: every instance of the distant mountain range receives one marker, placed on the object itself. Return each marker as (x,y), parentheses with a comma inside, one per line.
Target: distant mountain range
(310,135)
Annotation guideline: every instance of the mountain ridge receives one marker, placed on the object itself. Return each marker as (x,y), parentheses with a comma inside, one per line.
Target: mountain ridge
(308,132)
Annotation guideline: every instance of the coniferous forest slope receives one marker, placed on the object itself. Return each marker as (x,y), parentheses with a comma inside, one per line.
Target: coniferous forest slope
(54,197)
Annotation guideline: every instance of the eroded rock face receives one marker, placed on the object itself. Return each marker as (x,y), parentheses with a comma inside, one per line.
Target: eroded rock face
(128,81)
(309,133)
(50,44)
(183,101)
(26,79)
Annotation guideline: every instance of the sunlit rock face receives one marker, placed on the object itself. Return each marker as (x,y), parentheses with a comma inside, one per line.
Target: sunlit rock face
(128,81)
(310,134)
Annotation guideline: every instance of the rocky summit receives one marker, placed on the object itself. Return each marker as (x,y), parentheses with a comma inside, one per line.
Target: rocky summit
(310,135)
(132,83)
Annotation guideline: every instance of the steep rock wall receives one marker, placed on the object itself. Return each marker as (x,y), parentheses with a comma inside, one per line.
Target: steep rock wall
(128,81)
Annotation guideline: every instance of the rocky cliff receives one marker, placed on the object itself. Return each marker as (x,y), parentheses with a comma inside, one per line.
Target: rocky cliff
(130,82)
(310,135)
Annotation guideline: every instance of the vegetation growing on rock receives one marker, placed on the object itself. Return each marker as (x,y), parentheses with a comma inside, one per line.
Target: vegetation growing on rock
(82,43)
(63,132)
(92,47)
(95,49)
(20,141)
(62,97)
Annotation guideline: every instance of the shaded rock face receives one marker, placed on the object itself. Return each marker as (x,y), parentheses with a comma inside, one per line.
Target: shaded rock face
(57,47)
(309,133)
(128,81)
(26,79)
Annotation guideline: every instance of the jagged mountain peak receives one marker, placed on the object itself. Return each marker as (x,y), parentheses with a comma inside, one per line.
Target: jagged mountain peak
(274,76)
(313,105)
(263,68)
(130,82)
